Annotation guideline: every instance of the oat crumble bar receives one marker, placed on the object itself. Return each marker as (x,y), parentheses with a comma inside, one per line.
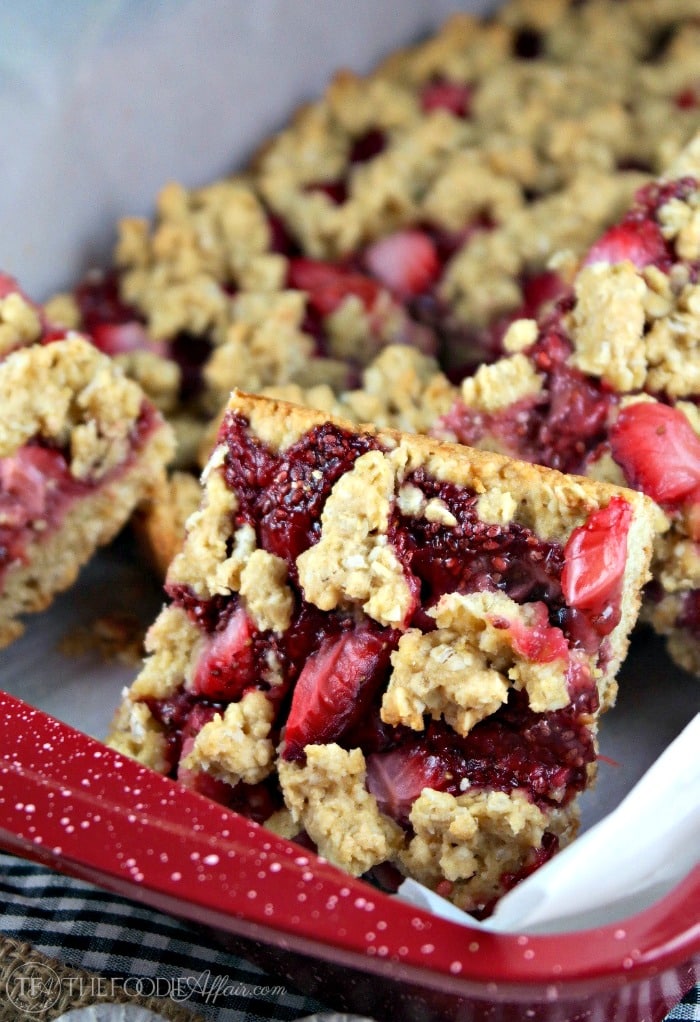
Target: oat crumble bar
(80,448)
(396,646)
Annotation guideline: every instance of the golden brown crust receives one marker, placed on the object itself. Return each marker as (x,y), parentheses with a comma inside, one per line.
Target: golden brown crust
(159,522)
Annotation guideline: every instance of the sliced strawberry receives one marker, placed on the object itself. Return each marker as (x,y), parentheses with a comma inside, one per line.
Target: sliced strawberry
(688,98)
(658,450)
(406,262)
(225,667)
(334,688)
(22,493)
(397,778)
(539,642)
(329,284)
(540,290)
(442,94)
(120,338)
(637,241)
(35,483)
(595,556)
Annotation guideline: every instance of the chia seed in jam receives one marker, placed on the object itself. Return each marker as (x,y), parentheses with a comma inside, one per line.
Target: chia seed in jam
(282,495)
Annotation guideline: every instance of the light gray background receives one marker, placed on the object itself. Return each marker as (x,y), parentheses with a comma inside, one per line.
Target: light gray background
(103,101)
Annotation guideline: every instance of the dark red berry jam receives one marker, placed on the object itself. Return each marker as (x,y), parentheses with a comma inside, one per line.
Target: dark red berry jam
(560,427)
(282,496)
(689,617)
(100,302)
(473,555)
(367,146)
(546,755)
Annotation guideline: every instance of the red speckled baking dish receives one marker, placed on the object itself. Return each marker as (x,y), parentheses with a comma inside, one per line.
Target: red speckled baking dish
(75,804)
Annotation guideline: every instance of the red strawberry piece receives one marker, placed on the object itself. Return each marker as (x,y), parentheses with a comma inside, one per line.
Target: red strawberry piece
(25,479)
(595,556)
(334,688)
(329,284)
(658,450)
(539,290)
(539,642)
(52,334)
(442,94)
(688,98)
(637,241)
(119,338)
(397,778)
(225,666)
(99,301)
(406,262)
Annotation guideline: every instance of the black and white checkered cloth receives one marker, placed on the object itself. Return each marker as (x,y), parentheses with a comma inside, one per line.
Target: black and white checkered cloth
(83,927)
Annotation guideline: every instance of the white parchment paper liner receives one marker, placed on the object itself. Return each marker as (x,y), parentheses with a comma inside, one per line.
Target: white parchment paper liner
(623,864)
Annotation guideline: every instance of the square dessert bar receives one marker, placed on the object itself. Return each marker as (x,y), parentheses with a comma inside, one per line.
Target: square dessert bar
(606,384)
(391,647)
(80,447)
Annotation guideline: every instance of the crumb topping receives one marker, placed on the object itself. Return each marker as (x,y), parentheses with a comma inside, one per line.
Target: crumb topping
(19,323)
(206,563)
(353,561)
(462,671)
(169,643)
(264,346)
(265,593)
(501,384)
(608,325)
(203,239)
(70,393)
(477,837)
(328,797)
(235,747)
(441,675)
(136,733)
